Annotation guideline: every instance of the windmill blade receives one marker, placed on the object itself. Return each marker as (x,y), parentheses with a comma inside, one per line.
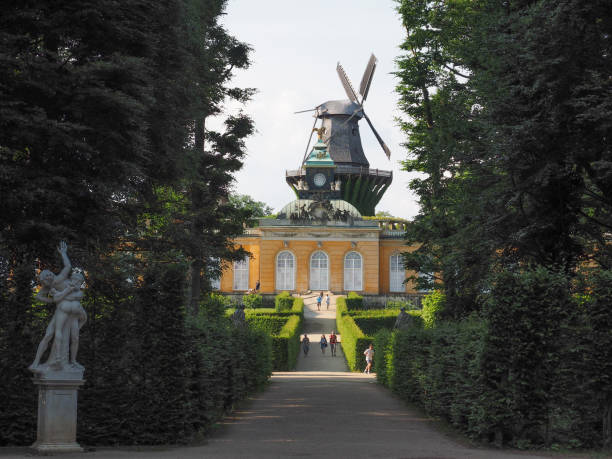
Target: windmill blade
(366,80)
(309,139)
(380,140)
(304,111)
(350,92)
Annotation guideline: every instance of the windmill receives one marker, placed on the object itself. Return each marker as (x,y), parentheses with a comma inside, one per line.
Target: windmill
(361,186)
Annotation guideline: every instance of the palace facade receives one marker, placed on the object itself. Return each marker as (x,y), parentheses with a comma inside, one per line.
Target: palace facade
(321,240)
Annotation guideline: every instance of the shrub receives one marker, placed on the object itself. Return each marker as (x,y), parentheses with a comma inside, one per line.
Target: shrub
(270,324)
(283,302)
(398,304)
(298,306)
(354,301)
(382,339)
(286,344)
(433,305)
(354,341)
(252,301)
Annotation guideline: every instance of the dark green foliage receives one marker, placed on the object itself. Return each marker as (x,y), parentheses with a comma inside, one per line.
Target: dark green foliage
(17,350)
(382,341)
(533,373)
(497,131)
(522,351)
(284,329)
(599,372)
(355,339)
(354,301)
(231,362)
(252,301)
(286,344)
(398,304)
(283,302)
(271,324)
(102,143)
(370,322)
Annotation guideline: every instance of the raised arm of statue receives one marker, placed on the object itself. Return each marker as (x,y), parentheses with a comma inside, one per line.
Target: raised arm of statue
(63,251)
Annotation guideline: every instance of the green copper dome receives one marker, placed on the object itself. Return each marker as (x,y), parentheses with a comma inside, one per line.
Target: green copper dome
(319,156)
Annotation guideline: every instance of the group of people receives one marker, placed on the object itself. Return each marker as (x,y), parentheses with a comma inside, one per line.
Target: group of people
(333,344)
(320,300)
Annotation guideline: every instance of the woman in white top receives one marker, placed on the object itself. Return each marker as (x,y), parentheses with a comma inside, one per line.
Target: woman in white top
(369,355)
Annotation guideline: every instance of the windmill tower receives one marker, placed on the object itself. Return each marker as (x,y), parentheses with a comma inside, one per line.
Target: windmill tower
(355,182)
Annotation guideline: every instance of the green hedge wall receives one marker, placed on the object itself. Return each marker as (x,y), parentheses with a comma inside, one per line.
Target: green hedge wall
(283,302)
(269,324)
(356,339)
(286,344)
(153,374)
(354,301)
(534,371)
(284,328)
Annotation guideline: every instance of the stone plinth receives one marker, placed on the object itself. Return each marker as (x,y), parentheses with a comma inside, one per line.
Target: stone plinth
(57,410)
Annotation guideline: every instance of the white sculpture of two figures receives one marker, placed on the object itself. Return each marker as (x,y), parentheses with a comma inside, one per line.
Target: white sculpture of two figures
(69,317)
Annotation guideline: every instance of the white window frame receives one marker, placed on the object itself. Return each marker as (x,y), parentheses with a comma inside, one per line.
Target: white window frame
(325,285)
(241,274)
(353,274)
(285,275)
(397,273)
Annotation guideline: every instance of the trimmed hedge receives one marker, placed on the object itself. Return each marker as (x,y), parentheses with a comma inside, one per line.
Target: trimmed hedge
(286,344)
(356,339)
(283,327)
(252,301)
(154,374)
(354,301)
(283,302)
(267,323)
(535,371)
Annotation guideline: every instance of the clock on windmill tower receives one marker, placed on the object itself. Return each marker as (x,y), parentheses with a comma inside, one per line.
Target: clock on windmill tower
(319,166)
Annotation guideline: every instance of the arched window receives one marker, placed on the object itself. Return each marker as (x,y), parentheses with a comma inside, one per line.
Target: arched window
(241,274)
(285,271)
(319,271)
(396,273)
(353,272)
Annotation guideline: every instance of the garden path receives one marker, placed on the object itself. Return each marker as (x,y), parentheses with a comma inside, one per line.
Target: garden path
(319,410)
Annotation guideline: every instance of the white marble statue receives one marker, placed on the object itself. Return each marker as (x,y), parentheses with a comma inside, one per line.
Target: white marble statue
(67,320)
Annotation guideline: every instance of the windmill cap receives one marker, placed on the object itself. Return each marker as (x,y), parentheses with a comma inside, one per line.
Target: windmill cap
(340,107)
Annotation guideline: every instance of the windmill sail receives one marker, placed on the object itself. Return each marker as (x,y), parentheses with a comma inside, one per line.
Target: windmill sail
(380,140)
(366,80)
(350,92)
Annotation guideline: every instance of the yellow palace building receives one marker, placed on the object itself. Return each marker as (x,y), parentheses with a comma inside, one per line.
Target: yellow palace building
(321,240)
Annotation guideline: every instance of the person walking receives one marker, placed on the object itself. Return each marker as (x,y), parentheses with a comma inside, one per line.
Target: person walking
(319,299)
(305,344)
(327,301)
(323,344)
(333,342)
(369,355)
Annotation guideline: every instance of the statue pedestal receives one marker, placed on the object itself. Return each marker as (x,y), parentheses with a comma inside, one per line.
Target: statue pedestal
(57,410)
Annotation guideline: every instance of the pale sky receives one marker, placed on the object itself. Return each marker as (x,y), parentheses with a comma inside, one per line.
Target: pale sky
(296,45)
